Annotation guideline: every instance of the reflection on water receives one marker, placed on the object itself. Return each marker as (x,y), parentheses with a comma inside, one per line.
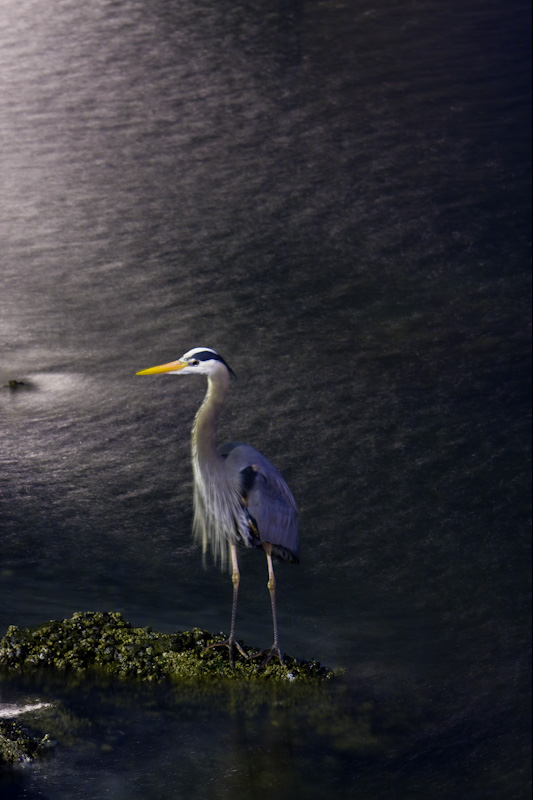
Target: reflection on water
(336,198)
(220,741)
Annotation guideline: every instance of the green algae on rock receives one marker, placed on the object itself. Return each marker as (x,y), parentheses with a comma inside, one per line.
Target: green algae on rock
(107,643)
(17,746)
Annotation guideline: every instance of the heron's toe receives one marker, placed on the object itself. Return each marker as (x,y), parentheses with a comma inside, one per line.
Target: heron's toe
(273,652)
(232,645)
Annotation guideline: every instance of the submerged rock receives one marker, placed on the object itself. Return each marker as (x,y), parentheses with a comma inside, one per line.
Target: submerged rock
(15,385)
(107,643)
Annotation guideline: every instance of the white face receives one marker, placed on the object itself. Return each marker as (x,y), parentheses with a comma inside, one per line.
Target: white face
(201,365)
(196,361)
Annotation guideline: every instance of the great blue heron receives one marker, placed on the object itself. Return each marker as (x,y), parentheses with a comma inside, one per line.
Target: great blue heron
(239,496)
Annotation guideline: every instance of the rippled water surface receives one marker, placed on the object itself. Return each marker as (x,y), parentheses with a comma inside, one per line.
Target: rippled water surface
(334,195)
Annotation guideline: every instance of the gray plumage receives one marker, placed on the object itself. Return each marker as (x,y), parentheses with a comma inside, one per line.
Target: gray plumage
(267,500)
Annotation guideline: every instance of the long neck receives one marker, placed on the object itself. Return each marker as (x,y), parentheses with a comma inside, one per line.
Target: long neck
(203,433)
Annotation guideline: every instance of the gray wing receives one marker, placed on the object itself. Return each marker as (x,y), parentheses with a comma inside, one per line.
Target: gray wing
(269,510)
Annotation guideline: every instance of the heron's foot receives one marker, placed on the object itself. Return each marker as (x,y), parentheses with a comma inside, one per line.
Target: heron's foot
(232,645)
(273,652)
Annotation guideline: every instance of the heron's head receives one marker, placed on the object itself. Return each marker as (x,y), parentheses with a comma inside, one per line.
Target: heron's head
(199,361)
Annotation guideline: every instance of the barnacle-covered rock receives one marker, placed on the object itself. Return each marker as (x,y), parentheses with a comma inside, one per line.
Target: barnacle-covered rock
(105,642)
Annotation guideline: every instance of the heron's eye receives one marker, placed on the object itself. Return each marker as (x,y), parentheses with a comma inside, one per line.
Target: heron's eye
(194,362)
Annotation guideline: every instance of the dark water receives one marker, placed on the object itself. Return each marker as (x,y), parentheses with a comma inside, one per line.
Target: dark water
(334,195)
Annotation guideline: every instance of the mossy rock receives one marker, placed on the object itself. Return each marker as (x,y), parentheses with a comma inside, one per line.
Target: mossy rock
(17,746)
(105,642)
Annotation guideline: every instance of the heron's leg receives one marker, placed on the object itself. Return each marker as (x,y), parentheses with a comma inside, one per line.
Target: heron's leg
(274,650)
(235,579)
(230,642)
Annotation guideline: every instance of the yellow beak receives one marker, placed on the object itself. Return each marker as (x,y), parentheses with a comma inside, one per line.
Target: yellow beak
(172,366)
